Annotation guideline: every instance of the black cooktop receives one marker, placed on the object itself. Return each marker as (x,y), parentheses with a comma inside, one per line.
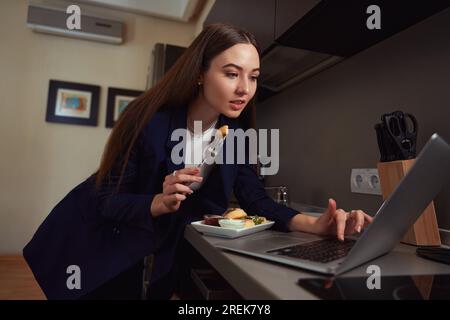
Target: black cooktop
(418,287)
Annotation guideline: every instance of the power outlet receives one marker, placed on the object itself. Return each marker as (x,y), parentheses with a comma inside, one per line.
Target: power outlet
(365,181)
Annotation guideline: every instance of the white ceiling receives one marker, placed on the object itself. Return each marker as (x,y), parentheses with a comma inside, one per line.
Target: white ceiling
(180,10)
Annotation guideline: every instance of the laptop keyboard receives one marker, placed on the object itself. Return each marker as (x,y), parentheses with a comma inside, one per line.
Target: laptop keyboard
(324,251)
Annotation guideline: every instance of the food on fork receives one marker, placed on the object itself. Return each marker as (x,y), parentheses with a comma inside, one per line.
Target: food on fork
(223,130)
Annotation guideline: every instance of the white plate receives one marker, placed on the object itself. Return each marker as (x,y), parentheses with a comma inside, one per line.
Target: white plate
(228,232)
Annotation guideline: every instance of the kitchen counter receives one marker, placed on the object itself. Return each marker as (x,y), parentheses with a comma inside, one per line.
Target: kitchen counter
(259,279)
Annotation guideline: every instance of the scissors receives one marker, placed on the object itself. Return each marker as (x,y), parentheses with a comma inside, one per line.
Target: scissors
(402,127)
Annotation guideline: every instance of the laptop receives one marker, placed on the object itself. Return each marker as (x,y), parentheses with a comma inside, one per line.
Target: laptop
(413,194)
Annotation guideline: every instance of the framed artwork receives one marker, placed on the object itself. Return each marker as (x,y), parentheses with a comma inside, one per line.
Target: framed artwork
(72,103)
(118,100)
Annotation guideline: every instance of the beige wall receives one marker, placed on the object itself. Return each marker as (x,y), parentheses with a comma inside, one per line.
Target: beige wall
(41,161)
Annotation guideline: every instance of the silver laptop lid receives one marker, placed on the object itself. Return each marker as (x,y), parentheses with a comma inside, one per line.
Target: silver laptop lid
(416,190)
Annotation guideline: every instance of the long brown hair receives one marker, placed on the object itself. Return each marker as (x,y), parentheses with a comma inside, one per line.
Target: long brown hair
(178,87)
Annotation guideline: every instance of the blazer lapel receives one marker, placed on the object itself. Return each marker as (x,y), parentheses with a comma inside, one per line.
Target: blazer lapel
(227,170)
(178,119)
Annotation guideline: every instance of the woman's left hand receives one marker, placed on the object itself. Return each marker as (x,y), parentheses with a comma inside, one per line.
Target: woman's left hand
(339,222)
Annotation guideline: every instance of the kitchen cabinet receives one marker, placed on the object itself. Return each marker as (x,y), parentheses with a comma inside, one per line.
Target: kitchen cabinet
(300,38)
(164,57)
(266,19)
(342,30)
(256,16)
(324,26)
(287,12)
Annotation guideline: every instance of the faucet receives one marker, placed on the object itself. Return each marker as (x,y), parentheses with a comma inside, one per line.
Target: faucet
(281,194)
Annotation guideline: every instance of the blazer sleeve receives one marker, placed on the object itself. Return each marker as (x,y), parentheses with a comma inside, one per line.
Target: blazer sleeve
(252,197)
(126,205)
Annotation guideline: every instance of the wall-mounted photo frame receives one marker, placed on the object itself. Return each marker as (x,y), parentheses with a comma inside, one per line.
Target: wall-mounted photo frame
(72,103)
(118,100)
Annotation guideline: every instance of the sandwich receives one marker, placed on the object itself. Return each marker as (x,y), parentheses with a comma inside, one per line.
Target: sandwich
(238,213)
(235,213)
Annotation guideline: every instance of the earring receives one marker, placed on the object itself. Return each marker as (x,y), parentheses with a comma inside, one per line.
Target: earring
(199,83)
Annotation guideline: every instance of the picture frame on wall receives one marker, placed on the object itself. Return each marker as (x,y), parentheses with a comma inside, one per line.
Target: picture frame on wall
(72,103)
(118,100)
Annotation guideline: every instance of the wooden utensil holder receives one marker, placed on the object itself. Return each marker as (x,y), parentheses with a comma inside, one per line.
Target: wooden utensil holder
(425,230)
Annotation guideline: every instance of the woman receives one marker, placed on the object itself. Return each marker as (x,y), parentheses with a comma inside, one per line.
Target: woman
(139,200)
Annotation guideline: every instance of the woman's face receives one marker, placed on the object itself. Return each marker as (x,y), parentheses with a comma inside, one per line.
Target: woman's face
(232,76)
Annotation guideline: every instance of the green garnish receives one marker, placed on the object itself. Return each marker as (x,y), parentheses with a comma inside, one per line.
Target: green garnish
(257,220)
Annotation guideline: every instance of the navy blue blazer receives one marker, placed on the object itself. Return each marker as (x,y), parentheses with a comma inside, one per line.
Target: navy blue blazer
(105,233)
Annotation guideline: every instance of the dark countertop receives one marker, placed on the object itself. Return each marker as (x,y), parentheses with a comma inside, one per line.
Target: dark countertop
(259,279)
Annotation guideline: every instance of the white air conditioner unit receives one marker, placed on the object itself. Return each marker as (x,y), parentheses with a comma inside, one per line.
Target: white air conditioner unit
(53,21)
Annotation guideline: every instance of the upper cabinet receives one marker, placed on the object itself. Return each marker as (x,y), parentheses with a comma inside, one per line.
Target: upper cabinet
(344,30)
(266,19)
(256,16)
(299,38)
(331,27)
(288,12)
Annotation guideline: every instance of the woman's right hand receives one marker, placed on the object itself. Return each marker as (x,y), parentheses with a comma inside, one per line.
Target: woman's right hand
(175,189)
